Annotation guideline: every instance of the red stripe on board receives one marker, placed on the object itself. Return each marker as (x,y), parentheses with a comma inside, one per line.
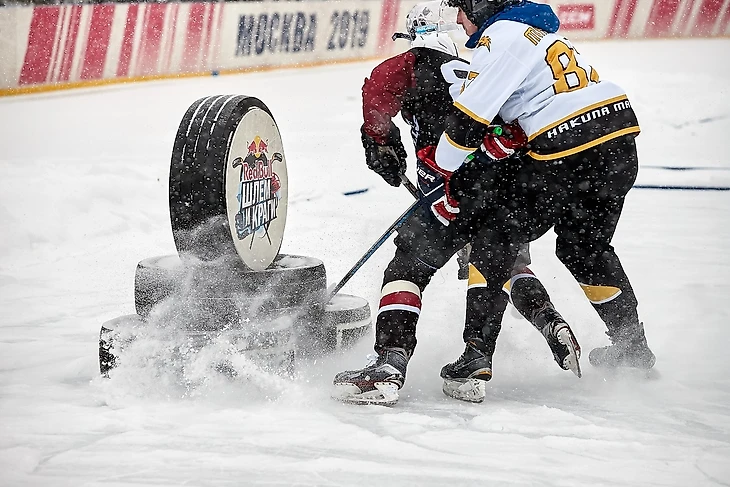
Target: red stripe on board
(662,16)
(684,18)
(58,42)
(628,18)
(69,46)
(724,21)
(193,36)
(215,46)
(706,17)
(613,21)
(388,18)
(100,30)
(149,49)
(401,297)
(125,52)
(209,11)
(40,44)
(170,38)
(138,47)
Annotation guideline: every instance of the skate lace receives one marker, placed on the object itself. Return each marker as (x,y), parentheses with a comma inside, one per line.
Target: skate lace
(372,359)
(461,360)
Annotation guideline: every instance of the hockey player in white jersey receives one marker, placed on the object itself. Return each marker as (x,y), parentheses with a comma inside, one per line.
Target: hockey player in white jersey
(580,132)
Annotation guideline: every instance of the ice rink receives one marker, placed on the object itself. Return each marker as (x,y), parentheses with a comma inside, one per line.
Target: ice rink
(83,198)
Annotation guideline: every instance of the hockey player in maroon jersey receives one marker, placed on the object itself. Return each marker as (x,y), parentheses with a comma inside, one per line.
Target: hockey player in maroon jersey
(421,84)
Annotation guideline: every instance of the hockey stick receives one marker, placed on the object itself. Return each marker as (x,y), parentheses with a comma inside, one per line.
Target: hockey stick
(463,254)
(410,186)
(383,238)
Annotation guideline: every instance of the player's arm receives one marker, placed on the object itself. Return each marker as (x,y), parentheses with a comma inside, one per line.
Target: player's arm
(477,107)
(469,133)
(382,98)
(462,136)
(383,93)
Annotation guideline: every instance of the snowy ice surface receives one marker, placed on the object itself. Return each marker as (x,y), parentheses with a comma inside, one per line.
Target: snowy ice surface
(83,198)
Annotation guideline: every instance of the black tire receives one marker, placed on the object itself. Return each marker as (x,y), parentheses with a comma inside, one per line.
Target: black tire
(346,320)
(274,349)
(114,334)
(223,292)
(198,196)
(193,200)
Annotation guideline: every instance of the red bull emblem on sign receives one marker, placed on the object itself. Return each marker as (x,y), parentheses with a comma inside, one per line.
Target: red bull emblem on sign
(258,190)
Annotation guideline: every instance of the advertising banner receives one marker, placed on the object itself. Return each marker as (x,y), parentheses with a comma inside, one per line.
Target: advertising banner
(63,46)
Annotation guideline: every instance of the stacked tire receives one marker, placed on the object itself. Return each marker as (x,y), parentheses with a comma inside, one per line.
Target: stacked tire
(228,195)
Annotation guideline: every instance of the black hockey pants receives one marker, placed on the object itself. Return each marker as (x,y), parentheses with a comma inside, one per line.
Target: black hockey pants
(590,189)
(582,195)
(496,223)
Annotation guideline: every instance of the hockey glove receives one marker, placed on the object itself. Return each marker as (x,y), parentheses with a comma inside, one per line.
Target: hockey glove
(434,185)
(388,160)
(502,140)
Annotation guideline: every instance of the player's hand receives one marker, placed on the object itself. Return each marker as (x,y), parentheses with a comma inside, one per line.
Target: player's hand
(433,182)
(503,140)
(387,160)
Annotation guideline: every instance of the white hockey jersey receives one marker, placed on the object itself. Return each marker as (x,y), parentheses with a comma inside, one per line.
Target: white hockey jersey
(538,79)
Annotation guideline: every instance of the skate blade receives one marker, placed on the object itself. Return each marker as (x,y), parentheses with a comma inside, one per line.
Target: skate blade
(572,361)
(469,390)
(385,394)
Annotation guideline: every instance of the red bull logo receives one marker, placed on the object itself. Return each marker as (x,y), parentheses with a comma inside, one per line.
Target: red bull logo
(257,146)
(258,190)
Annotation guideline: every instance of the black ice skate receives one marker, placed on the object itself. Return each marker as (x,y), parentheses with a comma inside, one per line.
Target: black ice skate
(560,339)
(466,378)
(377,383)
(628,349)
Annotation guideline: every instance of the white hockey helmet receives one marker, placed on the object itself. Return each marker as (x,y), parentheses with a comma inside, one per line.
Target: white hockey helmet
(427,24)
(440,42)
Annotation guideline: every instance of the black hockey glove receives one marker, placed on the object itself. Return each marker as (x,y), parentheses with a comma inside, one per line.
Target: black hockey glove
(388,160)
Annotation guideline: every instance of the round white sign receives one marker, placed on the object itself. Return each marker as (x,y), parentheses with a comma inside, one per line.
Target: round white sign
(256,189)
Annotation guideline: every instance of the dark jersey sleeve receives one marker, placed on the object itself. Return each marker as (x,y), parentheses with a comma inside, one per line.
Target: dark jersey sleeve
(383,93)
(464,130)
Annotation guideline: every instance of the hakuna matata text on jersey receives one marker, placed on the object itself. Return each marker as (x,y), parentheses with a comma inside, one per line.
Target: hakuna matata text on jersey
(539,79)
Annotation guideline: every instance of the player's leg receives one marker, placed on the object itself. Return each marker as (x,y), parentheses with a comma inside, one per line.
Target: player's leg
(585,230)
(532,300)
(465,378)
(422,247)
(515,209)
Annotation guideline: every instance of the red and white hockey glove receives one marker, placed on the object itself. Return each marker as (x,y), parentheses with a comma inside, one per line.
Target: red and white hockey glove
(502,140)
(433,182)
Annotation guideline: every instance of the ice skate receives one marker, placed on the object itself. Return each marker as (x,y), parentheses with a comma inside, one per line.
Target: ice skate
(561,340)
(466,378)
(628,349)
(376,383)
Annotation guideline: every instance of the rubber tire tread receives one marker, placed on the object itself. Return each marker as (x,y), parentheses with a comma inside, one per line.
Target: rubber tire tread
(198,202)
(356,312)
(183,157)
(107,360)
(326,336)
(292,288)
(197,173)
